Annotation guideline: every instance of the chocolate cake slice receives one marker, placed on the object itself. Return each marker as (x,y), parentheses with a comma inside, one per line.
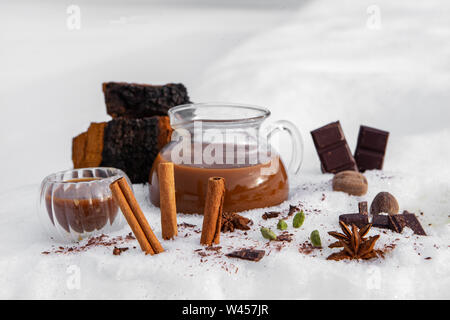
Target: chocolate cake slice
(132,100)
(127,144)
(133,144)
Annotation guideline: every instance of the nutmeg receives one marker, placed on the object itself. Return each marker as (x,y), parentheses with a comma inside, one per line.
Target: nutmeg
(384,202)
(351,182)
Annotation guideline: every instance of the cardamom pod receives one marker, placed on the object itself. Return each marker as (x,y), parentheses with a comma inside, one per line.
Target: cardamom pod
(315,239)
(282,225)
(268,234)
(299,218)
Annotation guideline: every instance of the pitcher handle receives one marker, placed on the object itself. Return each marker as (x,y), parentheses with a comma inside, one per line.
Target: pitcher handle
(296,142)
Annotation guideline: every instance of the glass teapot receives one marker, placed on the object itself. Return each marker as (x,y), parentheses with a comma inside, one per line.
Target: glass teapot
(226,140)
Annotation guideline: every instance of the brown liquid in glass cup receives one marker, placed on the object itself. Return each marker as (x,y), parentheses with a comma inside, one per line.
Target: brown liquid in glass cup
(76,203)
(246,188)
(78,214)
(226,140)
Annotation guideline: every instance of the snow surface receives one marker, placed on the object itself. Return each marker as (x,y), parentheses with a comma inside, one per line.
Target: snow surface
(321,64)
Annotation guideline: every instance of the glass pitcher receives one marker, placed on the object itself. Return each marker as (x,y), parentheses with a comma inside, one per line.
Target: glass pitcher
(226,140)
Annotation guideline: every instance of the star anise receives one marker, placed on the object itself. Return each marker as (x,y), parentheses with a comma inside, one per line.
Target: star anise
(231,221)
(355,243)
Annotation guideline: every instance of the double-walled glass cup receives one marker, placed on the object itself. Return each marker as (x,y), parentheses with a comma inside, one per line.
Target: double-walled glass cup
(226,140)
(74,204)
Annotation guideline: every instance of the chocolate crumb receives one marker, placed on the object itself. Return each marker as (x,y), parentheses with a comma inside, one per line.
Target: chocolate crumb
(306,247)
(292,210)
(284,237)
(117,251)
(211,248)
(186,225)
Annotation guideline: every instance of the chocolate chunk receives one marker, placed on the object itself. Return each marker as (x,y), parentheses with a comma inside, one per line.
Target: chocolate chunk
(380,221)
(359,220)
(333,149)
(362,206)
(270,215)
(396,223)
(371,148)
(399,221)
(133,100)
(248,254)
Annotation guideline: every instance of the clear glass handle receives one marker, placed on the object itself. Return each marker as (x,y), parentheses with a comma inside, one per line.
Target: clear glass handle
(296,142)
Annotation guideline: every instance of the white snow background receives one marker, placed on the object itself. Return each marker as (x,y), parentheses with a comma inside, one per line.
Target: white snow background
(310,62)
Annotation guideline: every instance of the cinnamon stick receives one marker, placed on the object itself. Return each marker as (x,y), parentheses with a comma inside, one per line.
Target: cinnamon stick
(212,219)
(124,197)
(167,200)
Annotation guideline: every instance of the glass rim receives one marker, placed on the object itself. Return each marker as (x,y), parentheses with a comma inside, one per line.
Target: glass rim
(54,177)
(261,113)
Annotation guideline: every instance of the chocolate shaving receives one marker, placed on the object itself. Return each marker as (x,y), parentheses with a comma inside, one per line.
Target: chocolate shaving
(306,248)
(99,241)
(117,251)
(186,225)
(211,248)
(270,215)
(247,254)
(285,237)
(292,210)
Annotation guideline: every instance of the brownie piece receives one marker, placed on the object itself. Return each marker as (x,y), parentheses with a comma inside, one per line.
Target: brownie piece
(332,148)
(133,144)
(133,100)
(371,148)
(87,147)
(123,143)
(78,150)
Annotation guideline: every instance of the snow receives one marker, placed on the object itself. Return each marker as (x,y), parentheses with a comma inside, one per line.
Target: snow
(312,65)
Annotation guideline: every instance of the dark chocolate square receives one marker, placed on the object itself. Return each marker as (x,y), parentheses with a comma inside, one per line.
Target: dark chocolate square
(373,139)
(328,135)
(371,148)
(332,148)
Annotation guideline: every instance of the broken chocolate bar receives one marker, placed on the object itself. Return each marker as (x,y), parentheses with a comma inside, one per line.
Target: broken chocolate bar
(371,148)
(333,149)
(248,254)
(399,221)
(123,143)
(380,221)
(133,100)
(359,220)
